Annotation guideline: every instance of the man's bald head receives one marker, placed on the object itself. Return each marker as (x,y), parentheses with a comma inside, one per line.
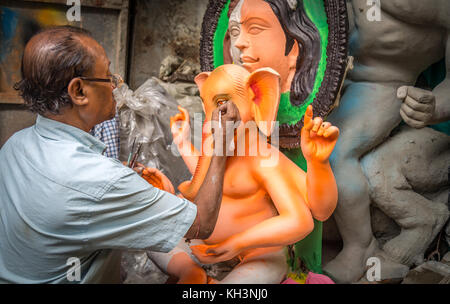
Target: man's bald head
(52,58)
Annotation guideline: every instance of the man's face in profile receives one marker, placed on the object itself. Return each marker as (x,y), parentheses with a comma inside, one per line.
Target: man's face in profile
(102,105)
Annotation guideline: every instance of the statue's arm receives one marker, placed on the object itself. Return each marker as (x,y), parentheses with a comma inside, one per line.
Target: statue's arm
(321,190)
(293,222)
(180,128)
(421,108)
(189,154)
(442,92)
(318,140)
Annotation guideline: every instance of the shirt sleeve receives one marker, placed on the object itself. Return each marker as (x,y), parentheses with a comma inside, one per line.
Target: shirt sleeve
(132,214)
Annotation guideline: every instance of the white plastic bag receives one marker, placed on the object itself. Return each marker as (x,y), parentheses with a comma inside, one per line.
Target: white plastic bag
(145,115)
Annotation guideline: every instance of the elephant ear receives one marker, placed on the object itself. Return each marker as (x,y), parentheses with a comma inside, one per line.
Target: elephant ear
(263,86)
(199,81)
(201,78)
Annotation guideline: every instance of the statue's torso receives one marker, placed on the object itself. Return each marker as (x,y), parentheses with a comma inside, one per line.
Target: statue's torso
(409,38)
(245,201)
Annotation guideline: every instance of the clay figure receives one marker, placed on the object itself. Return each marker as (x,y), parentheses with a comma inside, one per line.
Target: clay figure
(265,206)
(389,56)
(306,43)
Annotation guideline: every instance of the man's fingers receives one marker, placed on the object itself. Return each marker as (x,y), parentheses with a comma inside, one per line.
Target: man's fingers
(232,112)
(229,112)
(151,170)
(138,170)
(225,109)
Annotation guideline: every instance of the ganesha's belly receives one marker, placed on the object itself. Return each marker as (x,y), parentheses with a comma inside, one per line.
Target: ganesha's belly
(237,215)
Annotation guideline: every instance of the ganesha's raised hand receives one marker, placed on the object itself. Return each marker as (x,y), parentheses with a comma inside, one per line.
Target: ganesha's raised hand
(318,138)
(179,126)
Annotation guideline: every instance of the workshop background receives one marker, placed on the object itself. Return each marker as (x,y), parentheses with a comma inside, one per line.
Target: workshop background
(136,34)
(154,45)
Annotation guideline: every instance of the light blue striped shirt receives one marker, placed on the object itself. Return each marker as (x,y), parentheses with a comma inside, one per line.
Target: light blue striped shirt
(61,198)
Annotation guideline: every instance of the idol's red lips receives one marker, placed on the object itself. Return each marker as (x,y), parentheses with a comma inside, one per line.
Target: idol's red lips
(248,59)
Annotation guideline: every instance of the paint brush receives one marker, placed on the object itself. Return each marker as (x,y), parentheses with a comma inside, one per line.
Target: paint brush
(134,159)
(131,152)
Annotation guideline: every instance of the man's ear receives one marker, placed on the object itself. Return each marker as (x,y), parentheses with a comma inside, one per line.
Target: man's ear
(263,87)
(76,93)
(201,78)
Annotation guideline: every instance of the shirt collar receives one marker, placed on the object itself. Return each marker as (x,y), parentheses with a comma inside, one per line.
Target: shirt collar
(56,130)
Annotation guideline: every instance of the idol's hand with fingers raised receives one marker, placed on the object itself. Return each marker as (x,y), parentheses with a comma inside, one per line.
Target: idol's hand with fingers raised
(318,138)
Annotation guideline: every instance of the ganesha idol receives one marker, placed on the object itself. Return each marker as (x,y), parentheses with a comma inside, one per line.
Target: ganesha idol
(305,42)
(266,204)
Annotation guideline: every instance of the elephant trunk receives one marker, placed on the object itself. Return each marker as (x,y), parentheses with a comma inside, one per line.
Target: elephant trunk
(189,189)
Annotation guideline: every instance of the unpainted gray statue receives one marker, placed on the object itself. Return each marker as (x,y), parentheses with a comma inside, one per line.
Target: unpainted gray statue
(391,50)
(408,181)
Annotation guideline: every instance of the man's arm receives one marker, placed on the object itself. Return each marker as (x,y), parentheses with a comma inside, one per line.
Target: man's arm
(208,200)
(209,196)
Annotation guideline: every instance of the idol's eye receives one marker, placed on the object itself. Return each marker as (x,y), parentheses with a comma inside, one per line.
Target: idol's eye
(221,101)
(254,30)
(234,31)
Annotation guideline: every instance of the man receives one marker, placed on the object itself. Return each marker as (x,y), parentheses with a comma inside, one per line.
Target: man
(61,199)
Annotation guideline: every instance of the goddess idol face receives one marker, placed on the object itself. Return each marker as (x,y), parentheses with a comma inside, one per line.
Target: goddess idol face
(258,40)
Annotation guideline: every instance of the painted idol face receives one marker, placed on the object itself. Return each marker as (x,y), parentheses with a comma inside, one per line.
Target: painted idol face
(258,40)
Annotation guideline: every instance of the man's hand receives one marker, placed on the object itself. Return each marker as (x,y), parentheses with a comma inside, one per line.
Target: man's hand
(318,138)
(417,107)
(138,167)
(179,126)
(223,130)
(156,178)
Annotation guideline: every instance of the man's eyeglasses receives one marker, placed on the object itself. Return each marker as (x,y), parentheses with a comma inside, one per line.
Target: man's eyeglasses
(116,80)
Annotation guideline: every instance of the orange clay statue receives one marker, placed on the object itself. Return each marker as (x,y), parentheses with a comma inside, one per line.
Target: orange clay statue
(266,205)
